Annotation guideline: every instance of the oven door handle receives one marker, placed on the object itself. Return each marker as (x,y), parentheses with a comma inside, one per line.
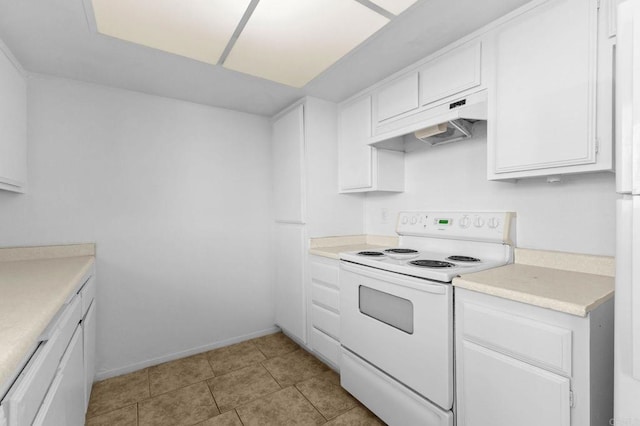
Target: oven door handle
(418,283)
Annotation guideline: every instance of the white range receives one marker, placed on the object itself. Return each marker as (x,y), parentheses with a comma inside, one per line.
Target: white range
(396,323)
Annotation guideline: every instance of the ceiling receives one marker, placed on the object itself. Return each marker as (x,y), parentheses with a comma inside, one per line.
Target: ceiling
(55,37)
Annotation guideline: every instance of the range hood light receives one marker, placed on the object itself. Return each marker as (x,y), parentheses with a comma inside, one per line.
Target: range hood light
(448,121)
(451,131)
(431,131)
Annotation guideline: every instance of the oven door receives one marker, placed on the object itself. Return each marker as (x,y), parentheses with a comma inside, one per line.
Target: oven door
(401,325)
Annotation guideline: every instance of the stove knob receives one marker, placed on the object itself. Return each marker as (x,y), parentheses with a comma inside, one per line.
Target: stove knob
(414,220)
(465,221)
(493,222)
(478,222)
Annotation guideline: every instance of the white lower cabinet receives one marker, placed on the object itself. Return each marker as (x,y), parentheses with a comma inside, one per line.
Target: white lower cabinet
(518,364)
(64,403)
(88,324)
(289,255)
(500,390)
(54,386)
(550,98)
(3,418)
(324,310)
(89,349)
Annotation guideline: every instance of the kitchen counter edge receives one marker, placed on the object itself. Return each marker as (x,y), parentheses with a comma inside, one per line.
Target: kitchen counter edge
(571,283)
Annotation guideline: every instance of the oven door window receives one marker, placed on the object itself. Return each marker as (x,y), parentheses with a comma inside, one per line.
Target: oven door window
(387,308)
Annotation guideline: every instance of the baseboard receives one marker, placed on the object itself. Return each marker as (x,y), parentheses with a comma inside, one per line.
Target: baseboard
(101,375)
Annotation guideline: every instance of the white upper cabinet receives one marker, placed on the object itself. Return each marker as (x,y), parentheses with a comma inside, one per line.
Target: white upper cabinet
(409,100)
(288,166)
(354,154)
(362,168)
(546,79)
(396,98)
(13,123)
(451,73)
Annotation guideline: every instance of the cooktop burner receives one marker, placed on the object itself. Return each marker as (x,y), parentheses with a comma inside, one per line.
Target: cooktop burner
(424,263)
(463,259)
(371,253)
(401,251)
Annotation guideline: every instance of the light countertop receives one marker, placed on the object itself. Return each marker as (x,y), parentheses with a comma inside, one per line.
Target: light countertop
(566,282)
(331,247)
(34,284)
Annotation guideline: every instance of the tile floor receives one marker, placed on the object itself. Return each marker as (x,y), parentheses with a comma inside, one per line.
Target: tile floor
(265,381)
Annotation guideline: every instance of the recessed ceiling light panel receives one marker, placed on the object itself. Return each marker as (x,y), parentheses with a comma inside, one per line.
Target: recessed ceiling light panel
(394,6)
(292,41)
(197,29)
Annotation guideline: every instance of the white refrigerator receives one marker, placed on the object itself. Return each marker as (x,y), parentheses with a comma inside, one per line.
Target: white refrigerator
(627,296)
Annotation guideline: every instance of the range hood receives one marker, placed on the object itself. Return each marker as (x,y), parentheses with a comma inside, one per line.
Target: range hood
(447,122)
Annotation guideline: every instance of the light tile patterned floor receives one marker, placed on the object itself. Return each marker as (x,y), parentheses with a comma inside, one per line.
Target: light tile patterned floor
(265,381)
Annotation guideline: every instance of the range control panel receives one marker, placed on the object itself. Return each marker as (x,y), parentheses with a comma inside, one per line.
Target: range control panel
(474,226)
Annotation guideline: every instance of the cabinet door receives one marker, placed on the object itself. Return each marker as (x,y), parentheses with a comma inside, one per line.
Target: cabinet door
(64,403)
(89,335)
(452,73)
(13,125)
(498,390)
(543,103)
(354,155)
(288,166)
(3,418)
(398,97)
(290,307)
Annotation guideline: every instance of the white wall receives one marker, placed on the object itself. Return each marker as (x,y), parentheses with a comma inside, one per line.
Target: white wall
(177,198)
(575,215)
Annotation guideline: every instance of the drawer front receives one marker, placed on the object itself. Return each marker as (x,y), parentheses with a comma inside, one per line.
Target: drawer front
(87,294)
(67,326)
(326,274)
(535,342)
(326,296)
(25,397)
(326,346)
(326,321)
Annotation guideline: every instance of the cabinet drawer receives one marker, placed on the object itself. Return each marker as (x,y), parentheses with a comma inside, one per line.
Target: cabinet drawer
(325,320)
(326,296)
(451,73)
(520,337)
(326,346)
(327,274)
(87,294)
(25,397)
(398,97)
